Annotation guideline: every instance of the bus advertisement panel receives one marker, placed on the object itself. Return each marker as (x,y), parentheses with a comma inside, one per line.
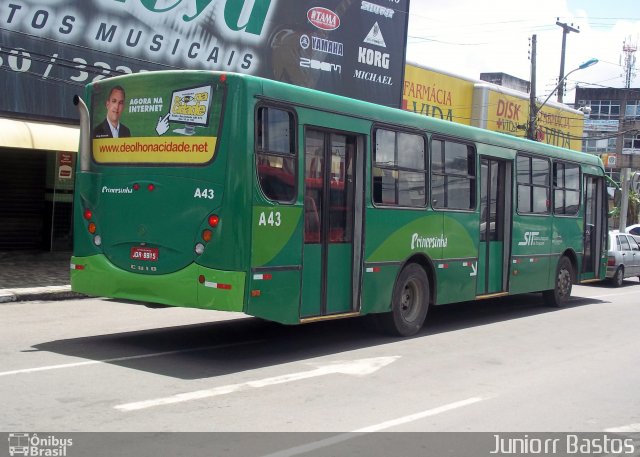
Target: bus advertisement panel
(161,123)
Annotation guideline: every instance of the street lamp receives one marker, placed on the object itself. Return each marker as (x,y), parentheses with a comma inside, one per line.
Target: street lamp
(534,110)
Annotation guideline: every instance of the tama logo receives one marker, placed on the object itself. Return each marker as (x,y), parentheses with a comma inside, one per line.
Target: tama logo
(116,190)
(323,18)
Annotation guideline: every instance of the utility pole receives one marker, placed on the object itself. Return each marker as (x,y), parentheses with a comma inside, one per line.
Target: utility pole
(566,29)
(629,49)
(533,109)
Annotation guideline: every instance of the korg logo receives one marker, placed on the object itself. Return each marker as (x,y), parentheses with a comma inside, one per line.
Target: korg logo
(373,58)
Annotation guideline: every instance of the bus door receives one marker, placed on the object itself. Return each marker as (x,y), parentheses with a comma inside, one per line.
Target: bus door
(594,226)
(495,227)
(330,283)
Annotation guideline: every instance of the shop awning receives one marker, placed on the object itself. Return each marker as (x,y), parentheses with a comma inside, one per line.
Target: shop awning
(38,135)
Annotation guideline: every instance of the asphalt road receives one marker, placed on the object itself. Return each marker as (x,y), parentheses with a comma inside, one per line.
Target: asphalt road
(504,365)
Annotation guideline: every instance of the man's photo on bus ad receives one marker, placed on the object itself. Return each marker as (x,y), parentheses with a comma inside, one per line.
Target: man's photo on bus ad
(111,127)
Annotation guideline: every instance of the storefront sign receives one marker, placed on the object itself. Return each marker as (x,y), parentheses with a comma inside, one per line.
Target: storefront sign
(50,49)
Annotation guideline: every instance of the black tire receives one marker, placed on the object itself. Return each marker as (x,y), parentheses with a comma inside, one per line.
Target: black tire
(618,277)
(559,295)
(409,303)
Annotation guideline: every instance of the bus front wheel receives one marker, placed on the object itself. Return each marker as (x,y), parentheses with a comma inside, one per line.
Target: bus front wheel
(409,303)
(559,295)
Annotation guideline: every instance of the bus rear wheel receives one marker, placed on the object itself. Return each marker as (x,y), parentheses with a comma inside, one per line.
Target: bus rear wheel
(409,303)
(559,295)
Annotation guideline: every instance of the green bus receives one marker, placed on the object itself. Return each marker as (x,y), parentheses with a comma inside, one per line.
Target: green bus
(230,192)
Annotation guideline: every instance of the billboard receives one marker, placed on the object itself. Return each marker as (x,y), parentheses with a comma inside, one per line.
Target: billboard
(49,49)
(435,93)
(507,111)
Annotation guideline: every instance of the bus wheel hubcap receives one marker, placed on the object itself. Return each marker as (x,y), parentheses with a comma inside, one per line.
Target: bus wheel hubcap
(564,283)
(409,302)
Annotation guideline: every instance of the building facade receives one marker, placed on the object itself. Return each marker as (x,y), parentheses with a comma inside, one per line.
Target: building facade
(613,124)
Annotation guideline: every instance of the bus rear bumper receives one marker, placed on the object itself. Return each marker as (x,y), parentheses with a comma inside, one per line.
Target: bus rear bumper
(194,286)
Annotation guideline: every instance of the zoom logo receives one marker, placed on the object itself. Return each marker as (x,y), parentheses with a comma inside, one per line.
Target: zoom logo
(318,65)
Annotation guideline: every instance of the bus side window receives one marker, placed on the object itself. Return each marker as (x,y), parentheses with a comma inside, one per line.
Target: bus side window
(276,153)
(399,169)
(453,175)
(533,184)
(566,188)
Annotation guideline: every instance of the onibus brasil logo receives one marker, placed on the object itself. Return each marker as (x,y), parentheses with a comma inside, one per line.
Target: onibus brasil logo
(33,445)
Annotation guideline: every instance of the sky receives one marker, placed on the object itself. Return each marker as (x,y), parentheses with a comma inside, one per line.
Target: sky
(468,37)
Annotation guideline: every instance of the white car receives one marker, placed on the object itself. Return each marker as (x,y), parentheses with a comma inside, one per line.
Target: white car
(633,229)
(624,257)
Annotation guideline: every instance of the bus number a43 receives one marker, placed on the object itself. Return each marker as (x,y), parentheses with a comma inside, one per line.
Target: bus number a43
(204,193)
(273,219)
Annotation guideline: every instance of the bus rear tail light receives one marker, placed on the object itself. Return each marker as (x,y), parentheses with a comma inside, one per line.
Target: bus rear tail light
(207,235)
(91,227)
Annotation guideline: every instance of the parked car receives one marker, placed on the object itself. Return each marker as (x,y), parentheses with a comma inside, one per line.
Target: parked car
(633,229)
(624,257)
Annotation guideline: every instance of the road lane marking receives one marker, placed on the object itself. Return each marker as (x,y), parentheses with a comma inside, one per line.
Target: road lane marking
(123,359)
(631,428)
(417,416)
(309,447)
(360,367)
(619,294)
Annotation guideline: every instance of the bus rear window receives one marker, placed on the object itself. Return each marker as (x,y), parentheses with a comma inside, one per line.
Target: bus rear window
(169,121)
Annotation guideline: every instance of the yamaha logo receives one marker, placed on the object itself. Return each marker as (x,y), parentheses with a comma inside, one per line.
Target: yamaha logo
(323,18)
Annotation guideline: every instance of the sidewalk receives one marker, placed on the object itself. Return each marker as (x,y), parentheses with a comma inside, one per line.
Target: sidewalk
(28,275)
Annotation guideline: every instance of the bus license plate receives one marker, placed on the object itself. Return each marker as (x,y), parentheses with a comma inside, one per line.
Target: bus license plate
(147,254)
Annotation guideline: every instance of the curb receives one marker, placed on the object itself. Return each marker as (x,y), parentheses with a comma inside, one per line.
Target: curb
(38,293)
